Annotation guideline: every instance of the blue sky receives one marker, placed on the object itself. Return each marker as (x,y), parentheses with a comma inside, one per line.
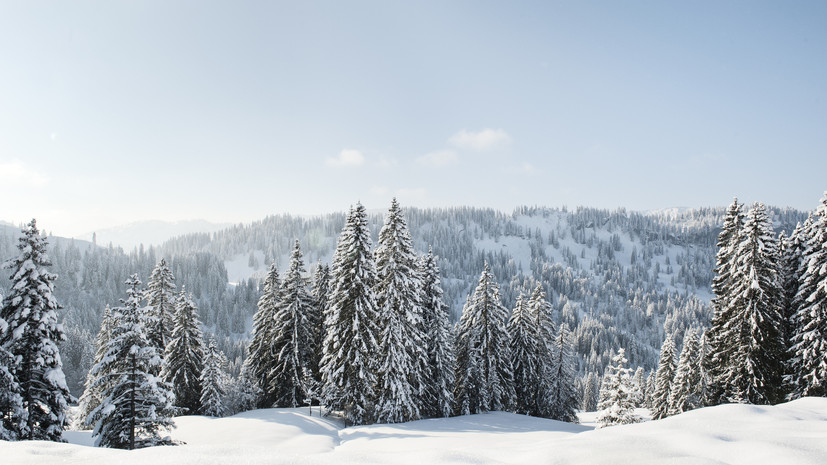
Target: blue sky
(112,112)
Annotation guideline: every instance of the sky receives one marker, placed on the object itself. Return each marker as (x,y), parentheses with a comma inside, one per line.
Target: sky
(115,112)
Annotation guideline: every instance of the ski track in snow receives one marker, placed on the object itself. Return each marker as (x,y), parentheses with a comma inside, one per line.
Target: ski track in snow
(792,433)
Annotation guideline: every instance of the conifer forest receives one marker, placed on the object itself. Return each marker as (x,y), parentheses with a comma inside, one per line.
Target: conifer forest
(408,314)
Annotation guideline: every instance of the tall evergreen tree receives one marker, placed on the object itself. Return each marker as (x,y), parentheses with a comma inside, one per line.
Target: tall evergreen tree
(93,392)
(562,396)
(404,358)
(540,311)
(809,343)
(484,372)
(184,358)
(526,365)
(686,388)
(752,336)
(261,358)
(439,384)
(718,357)
(321,296)
(30,335)
(639,383)
(213,382)
(591,392)
(664,379)
(616,406)
(136,404)
(161,300)
(352,340)
(293,340)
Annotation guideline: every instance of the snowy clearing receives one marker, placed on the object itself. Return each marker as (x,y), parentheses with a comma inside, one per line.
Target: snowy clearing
(792,433)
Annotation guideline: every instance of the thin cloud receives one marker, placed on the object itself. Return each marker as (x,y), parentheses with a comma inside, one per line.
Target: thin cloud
(439,158)
(411,194)
(347,157)
(525,168)
(16,174)
(481,141)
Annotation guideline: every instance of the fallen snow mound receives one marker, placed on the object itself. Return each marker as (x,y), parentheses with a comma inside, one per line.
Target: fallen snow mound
(794,433)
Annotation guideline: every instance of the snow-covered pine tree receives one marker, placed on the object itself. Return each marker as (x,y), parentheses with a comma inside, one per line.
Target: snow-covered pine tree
(184,358)
(540,311)
(11,404)
(523,338)
(752,336)
(321,296)
(161,301)
(439,384)
(639,383)
(352,339)
(261,358)
(664,379)
(722,285)
(651,385)
(686,387)
(31,335)
(213,382)
(92,396)
(135,404)
(291,379)
(243,393)
(484,373)
(810,337)
(562,396)
(591,391)
(403,361)
(616,406)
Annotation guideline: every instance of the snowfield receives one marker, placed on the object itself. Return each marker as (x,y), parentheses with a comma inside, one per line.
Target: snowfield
(791,433)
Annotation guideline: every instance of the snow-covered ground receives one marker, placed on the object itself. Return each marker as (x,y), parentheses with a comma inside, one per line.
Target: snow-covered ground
(792,433)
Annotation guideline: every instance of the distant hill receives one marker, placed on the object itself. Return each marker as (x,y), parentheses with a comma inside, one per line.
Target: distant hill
(149,233)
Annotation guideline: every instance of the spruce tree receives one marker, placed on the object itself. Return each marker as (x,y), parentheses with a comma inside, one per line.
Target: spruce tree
(439,384)
(752,335)
(686,388)
(404,358)
(184,358)
(484,373)
(92,396)
(523,337)
(810,336)
(30,335)
(213,382)
(261,358)
(639,383)
(591,391)
(161,301)
(562,396)
(616,406)
(135,405)
(293,343)
(321,295)
(541,315)
(352,338)
(664,380)
(719,356)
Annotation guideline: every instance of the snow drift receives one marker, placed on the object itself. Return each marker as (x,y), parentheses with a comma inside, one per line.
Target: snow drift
(791,433)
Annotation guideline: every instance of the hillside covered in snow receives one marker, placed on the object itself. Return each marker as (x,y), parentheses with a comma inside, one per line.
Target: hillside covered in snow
(791,433)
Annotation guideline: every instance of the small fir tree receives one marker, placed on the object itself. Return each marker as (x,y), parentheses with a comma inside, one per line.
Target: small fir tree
(162,302)
(664,379)
(92,396)
(184,358)
(616,406)
(261,359)
(562,396)
(439,384)
(213,382)
(484,372)
(687,386)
